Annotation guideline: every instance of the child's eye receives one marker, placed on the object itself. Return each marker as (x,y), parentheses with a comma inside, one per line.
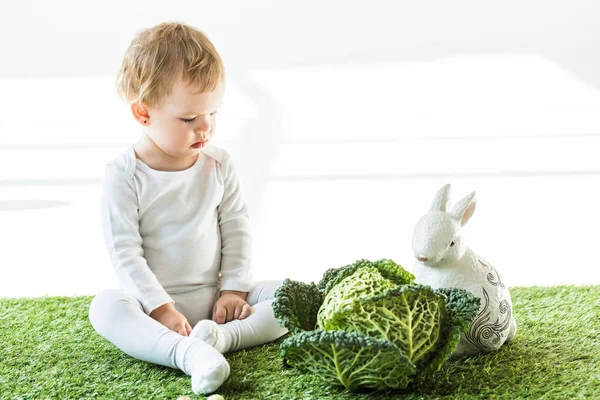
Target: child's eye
(214,112)
(187,121)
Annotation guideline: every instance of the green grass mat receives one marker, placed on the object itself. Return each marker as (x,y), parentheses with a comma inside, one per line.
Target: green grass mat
(48,350)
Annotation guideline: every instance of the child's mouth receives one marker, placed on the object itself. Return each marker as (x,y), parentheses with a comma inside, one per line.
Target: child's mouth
(199,145)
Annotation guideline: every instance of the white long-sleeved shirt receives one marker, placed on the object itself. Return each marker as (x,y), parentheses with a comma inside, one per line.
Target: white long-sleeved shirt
(171,232)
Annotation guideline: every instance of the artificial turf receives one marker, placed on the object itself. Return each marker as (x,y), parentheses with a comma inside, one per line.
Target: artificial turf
(48,350)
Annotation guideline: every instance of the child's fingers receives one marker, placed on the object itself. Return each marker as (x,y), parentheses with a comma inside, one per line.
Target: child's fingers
(188,328)
(237,312)
(182,330)
(220,315)
(246,310)
(230,310)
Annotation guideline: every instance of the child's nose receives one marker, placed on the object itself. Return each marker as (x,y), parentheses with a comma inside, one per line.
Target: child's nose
(203,130)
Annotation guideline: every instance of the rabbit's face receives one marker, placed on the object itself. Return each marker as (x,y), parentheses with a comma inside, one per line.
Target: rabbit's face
(436,239)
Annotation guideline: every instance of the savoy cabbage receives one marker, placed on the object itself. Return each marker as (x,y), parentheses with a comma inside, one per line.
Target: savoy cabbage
(367,325)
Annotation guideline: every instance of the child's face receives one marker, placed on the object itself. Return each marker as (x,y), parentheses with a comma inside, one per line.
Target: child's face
(184,122)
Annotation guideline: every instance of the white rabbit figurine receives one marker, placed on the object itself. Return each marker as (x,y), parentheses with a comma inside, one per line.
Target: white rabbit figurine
(444,261)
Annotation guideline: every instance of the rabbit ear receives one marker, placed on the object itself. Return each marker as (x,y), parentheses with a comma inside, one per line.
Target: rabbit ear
(464,209)
(441,199)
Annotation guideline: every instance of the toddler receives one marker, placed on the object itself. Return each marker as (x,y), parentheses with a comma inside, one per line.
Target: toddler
(174,220)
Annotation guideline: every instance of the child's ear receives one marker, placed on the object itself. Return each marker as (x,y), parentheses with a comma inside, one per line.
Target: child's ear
(140,113)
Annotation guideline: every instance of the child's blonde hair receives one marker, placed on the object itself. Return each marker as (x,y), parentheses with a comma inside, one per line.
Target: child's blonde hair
(159,56)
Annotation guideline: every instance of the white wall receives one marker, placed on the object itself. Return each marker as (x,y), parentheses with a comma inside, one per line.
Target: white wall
(343,118)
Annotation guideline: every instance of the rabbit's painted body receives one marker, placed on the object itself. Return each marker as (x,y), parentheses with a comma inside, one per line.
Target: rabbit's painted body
(494,325)
(443,261)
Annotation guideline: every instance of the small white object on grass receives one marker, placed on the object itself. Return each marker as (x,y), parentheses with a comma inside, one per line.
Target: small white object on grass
(215,397)
(183,398)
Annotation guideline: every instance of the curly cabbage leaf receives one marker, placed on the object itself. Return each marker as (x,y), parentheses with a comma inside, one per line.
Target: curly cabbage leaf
(461,307)
(387,268)
(350,359)
(296,305)
(409,316)
(363,283)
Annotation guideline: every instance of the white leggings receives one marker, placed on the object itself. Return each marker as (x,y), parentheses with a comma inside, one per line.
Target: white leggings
(120,319)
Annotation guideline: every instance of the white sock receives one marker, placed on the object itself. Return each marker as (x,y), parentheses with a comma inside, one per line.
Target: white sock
(207,367)
(209,375)
(213,334)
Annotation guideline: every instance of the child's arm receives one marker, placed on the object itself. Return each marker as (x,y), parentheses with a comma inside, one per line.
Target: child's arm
(235,233)
(123,241)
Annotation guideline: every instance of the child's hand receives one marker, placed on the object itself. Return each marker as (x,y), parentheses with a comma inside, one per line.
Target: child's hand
(229,307)
(172,319)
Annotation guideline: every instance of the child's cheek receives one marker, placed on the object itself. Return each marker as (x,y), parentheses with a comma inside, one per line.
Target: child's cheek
(181,136)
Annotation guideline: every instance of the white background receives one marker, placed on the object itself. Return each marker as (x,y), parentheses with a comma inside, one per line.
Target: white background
(343,118)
